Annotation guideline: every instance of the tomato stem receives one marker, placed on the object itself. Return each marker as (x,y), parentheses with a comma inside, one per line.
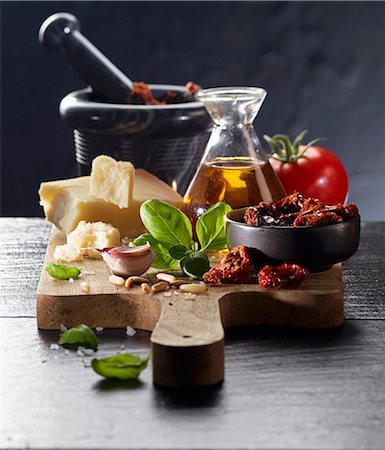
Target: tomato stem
(286,151)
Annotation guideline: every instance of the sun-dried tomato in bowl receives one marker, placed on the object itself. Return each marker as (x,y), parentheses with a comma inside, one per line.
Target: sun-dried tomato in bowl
(285,276)
(297,210)
(235,267)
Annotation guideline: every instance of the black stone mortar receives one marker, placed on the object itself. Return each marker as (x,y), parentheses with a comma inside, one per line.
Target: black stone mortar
(167,140)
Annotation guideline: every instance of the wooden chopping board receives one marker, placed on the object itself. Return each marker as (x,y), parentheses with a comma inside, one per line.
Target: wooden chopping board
(187,331)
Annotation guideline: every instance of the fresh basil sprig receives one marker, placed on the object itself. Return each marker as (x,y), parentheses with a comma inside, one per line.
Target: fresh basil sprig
(80,335)
(167,224)
(210,228)
(62,272)
(170,236)
(162,260)
(195,265)
(123,367)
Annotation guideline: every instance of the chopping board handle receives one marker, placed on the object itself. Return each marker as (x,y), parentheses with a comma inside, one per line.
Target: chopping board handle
(188,343)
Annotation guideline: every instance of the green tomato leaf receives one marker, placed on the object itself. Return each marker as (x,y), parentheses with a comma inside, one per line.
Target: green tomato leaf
(162,258)
(79,335)
(167,224)
(122,367)
(178,252)
(210,227)
(61,272)
(195,265)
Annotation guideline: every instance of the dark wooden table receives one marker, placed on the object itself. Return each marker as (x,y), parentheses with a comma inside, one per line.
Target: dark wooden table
(284,388)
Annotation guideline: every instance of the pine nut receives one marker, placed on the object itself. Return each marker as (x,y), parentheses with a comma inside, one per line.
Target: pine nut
(178,283)
(160,286)
(114,279)
(145,288)
(135,280)
(85,287)
(166,277)
(193,288)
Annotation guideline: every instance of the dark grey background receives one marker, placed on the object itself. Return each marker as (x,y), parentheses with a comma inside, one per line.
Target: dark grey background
(322,63)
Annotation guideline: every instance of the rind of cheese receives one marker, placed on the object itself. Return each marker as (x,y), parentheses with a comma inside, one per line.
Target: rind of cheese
(66,253)
(94,234)
(67,202)
(112,181)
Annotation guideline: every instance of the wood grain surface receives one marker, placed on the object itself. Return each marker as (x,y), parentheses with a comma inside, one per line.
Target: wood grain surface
(24,243)
(188,333)
(284,388)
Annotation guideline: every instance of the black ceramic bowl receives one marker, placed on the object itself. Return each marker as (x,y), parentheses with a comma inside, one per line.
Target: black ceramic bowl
(317,248)
(168,140)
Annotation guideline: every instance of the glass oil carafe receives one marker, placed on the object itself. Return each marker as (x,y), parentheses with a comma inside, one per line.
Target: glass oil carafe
(234,168)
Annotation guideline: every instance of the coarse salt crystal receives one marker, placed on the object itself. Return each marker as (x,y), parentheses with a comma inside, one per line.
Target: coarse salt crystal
(167,294)
(79,352)
(88,352)
(88,272)
(71,280)
(54,347)
(130,331)
(87,362)
(66,352)
(63,327)
(99,328)
(122,347)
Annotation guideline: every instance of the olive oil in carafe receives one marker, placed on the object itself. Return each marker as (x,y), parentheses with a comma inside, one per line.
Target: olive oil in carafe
(238,181)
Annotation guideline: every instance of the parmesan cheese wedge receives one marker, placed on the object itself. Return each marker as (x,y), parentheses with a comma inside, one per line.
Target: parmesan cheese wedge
(67,202)
(112,181)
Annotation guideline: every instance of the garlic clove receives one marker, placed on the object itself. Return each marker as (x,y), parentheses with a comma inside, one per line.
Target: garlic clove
(127,261)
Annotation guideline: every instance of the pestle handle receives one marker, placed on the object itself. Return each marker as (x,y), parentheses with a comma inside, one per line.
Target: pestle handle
(61,32)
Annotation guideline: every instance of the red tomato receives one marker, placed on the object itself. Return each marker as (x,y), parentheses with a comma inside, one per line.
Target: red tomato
(319,173)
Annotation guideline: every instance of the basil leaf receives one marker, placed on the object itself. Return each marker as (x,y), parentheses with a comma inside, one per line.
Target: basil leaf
(122,367)
(167,224)
(162,258)
(79,335)
(61,272)
(210,227)
(178,252)
(195,265)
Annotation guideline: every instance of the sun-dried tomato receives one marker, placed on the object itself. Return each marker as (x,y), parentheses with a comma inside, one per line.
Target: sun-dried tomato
(285,276)
(263,214)
(316,219)
(142,94)
(296,210)
(235,267)
(290,204)
(286,220)
(192,87)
